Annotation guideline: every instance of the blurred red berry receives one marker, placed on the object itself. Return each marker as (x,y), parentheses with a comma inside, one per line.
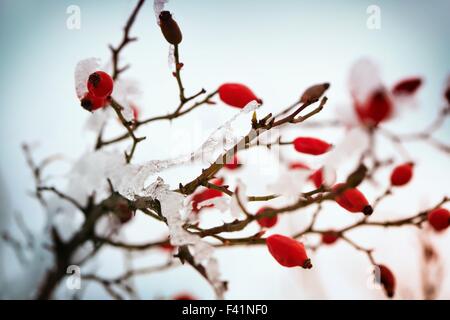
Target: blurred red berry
(298,166)
(317,178)
(407,86)
(439,219)
(378,108)
(402,174)
(288,252)
(100,84)
(184,296)
(206,195)
(167,246)
(330,237)
(233,165)
(386,279)
(266,222)
(310,145)
(92,103)
(352,200)
(237,95)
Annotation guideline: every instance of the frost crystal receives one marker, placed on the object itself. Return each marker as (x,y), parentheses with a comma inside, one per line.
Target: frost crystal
(364,79)
(158,6)
(83,70)
(354,142)
(97,120)
(126,92)
(290,182)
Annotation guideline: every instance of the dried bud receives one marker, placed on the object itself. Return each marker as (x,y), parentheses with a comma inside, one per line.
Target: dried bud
(170,28)
(407,86)
(314,92)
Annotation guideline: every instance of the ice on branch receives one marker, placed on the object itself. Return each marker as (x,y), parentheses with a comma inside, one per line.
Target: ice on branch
(83,70)
(126,92)
(158,6)
(223,138)
(176,209)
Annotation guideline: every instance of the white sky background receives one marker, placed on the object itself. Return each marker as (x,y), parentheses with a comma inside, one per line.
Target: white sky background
(276,48)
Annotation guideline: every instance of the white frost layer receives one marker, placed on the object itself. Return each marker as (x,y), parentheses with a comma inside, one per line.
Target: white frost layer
(83,70)
(158,6)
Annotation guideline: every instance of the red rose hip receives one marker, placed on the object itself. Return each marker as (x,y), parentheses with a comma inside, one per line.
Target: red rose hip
(92,103)
(237,95)
(330,237)
(288,252)
(266,222)
(439,219)
(352,200)
(310,145)
(100,84)
(402,174)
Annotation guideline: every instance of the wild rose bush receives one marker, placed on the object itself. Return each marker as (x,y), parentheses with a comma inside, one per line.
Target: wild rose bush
(107,188)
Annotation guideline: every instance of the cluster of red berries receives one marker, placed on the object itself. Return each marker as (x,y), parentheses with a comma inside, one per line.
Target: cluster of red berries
(100,86)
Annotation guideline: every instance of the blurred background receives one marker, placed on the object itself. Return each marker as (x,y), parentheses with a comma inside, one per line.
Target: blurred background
(277,48)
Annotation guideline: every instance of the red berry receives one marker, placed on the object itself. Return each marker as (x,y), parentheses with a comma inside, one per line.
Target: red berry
(206,195)
(135,111)
(92,103)
(288,252)
(310,145)
(317,178)
(407,86)
(100,84)
(352,200)
(167,246)
(402,174)
(298,166)
(184,296)
(439,219)
(266,222)
(378,108)
(237,95)
(386,279)
(330,237)
(233,165)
